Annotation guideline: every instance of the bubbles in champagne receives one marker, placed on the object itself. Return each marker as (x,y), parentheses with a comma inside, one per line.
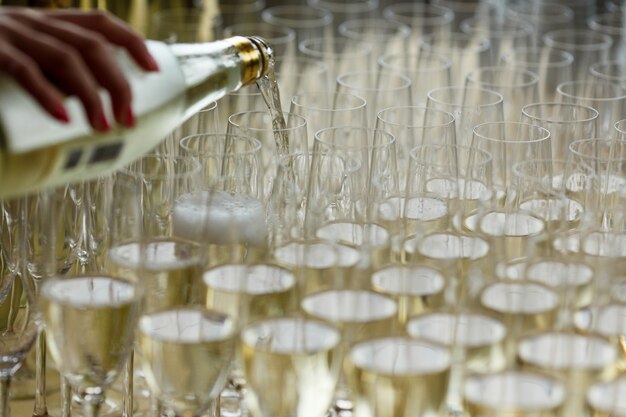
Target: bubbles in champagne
(220,218)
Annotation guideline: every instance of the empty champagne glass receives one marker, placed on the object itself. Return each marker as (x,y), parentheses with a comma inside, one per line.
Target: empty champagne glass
(551,65)
(340,55)
(586,46)
(324,109)
(544,16)
(607,98)
(425,70)
(179,25)
(611,24)
(566,123)
(611,71)
(306,21)
(347,10)
(384,36)
(504,33)
(380,91)
(300,75)
(422,18)
(467,52)
(518,87)
(469,106)
(413,126)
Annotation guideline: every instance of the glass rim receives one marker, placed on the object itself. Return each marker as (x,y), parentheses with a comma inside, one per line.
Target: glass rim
(594,114)
(169,14)
(528,338)
(561,12)
(620,126)
(600,402)
(402,29)
(534,78)
(599,22)
(590,172)
(314,65)
(471,26)
(593,68)
(450,122)
(345,6)
(500,98)
(459,5)
(602,141)
(252,6)
(340,80)
(288,115)
(603,41)
(538,375)
(487,158)
(195,168)
(446,63)
(509,57)
(362,103)
(272,15)
(482,46)
(559,90)
(391,139)
(284,34)
(304,47)
(254,142)
(545,137)
(443,17)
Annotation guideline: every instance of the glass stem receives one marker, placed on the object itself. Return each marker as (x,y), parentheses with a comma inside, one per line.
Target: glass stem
(5,383)
(155,407)
(128,386)
(92,404)
(66,398)
(41,408)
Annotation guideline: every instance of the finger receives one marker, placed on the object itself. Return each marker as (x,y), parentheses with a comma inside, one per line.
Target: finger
(114,30)
(97,54)
(64,63)
(27,74)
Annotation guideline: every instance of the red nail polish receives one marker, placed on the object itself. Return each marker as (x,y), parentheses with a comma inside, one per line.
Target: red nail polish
(129,117)
(102,124)
(59,112)
(152,64)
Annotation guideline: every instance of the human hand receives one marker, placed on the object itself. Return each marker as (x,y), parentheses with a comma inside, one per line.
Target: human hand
(48,52)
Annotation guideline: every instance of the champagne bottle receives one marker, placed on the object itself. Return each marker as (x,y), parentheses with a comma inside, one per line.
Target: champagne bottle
(37,151)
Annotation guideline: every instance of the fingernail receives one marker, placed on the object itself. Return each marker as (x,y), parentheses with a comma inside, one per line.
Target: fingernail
(129,117)
(152,64)
(102,124)
(59,112)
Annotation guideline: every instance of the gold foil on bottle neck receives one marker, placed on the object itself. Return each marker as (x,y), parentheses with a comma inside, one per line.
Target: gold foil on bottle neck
(252,58)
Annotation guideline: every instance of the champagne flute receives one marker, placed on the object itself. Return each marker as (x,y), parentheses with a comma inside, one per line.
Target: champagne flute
(607,98)
(106,306)
(586,46)
(18,330)
(186,354)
